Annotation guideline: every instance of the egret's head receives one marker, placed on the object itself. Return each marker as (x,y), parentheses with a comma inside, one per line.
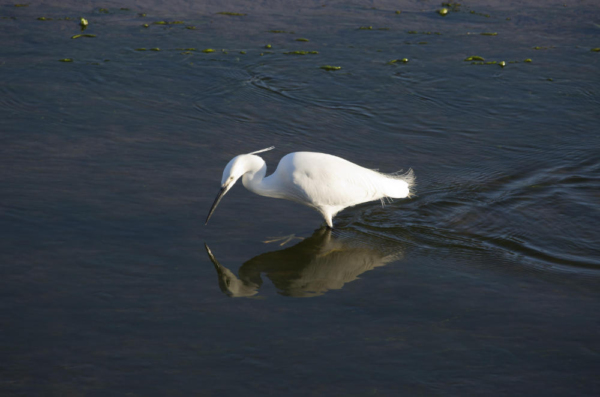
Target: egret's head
(235,169)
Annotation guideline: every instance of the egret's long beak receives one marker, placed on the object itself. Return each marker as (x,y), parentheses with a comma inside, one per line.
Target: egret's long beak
(220,195)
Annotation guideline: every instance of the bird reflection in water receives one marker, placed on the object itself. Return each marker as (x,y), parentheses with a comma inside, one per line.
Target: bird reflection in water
(325,261)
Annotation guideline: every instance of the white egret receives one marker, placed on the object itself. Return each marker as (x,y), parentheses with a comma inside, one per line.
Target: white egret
(321,181)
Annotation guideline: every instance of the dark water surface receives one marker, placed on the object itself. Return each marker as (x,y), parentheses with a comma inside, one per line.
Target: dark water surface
(485,283)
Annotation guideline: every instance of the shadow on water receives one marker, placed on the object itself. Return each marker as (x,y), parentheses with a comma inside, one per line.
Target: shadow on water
(325,261)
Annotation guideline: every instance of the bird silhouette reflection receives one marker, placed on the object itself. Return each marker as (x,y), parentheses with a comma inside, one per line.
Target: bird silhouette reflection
(325,261)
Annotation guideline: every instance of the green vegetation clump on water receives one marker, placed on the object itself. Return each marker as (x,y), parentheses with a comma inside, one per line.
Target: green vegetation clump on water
(365,28)
(66,60)
(329,67)
(474,58)
(83,35)
(168,23)
(595,49)
(302,39)
(479,13)
(393,61)
(300,52)
(453,6)
(21,5)
(489,34)
(208,50)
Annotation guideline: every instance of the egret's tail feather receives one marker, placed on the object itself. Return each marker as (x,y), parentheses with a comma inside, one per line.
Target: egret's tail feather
(403,186)
(408,177)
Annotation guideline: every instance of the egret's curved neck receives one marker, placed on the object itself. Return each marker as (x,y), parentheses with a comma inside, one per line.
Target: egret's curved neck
(254,178)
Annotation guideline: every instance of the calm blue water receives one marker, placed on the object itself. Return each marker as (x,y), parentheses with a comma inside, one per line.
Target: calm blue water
(485,283)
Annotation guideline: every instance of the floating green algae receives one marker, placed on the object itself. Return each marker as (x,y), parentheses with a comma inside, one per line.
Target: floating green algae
(168,23)
(365,28)
(146,25)
(302,39)
(491,62)
(155,49)
(443,12)
(233,14)
(393,61)
(595,49)
(268,46)
(208,50)
(398,12)
(140,49)
(83,35)
(300,52)
(412,32)
(66,60)
(141,14)
(44,19)
(479,13)
(329,67)
(489,34)
(21,5)
(190,27)
(503,64)
(242,52)
(527,60)
(474,58)
(103,10)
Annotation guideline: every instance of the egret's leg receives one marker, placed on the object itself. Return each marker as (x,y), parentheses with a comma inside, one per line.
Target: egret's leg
(329,220)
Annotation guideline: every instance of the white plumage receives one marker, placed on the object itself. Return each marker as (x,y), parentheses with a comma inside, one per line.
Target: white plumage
(321,181)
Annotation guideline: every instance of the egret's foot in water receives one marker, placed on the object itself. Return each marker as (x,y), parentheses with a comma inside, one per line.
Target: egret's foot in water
(284,239)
